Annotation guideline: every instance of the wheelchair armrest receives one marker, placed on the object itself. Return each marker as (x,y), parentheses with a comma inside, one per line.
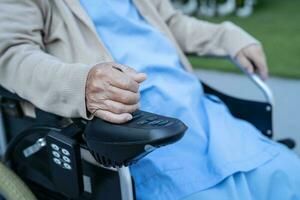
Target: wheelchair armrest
(261,85)
(119,145)
(115,145)
(256,112)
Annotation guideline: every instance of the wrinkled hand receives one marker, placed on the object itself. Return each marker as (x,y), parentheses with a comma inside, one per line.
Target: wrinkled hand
(112,91)
(253,59)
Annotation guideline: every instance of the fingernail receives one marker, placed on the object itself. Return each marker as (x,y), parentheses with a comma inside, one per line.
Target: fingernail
(142,74)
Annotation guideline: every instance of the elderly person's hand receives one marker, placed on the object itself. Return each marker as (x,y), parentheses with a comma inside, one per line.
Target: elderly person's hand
(112,91)
(253,59)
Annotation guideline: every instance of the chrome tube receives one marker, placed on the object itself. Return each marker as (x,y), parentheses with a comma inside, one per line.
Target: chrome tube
(265,89)
(3,141)
(125,183)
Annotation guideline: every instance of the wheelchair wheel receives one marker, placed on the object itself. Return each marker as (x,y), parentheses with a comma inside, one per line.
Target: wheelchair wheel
(12,187)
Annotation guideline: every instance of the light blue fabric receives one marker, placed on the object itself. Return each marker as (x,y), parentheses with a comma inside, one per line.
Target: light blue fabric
(216,144)
(278,179)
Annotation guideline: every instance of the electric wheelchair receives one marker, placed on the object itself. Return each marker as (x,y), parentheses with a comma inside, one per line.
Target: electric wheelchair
(60,158)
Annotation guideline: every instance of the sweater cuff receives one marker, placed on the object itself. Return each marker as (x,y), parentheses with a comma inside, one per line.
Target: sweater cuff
(76,90)
(236,39)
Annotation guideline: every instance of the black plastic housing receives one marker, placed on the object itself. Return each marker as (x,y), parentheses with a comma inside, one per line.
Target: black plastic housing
(119,145)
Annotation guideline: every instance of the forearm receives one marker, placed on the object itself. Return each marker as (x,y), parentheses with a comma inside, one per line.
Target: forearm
(43,80)
(201,37)
(25,67)
(205,38)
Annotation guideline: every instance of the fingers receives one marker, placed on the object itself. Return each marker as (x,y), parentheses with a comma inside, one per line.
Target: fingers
(123,81)
(254,55)
(112,91)
(119,108)
(260,63)
(115,94)
(138,77)
(112,117)
(123,96)
(245,63)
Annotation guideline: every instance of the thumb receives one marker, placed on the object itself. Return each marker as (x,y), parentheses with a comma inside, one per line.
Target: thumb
(140,77)
(132,73)
(245,63)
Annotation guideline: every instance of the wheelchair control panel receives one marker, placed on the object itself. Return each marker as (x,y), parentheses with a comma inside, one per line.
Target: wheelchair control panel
(119,145)
(65,156)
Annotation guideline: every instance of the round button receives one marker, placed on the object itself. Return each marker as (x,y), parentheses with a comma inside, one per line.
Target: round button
(57,161)
(67,166)
(65,151)
(56,154)
(55,147)
(65,158)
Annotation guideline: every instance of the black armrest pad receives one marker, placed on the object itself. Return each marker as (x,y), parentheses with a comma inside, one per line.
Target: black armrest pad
(122,144)
(119,144)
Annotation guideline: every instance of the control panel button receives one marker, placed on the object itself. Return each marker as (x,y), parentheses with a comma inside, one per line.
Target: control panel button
(152,118)
(65,158)
(55,147)
(57,161)
(163,122)
(142,122)
(67,166)
(154,122)
(56,154)
(65,151)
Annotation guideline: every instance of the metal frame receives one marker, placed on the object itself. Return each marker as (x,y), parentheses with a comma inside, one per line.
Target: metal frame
(125,183)
(264,88)
(3,141)
(124,175)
